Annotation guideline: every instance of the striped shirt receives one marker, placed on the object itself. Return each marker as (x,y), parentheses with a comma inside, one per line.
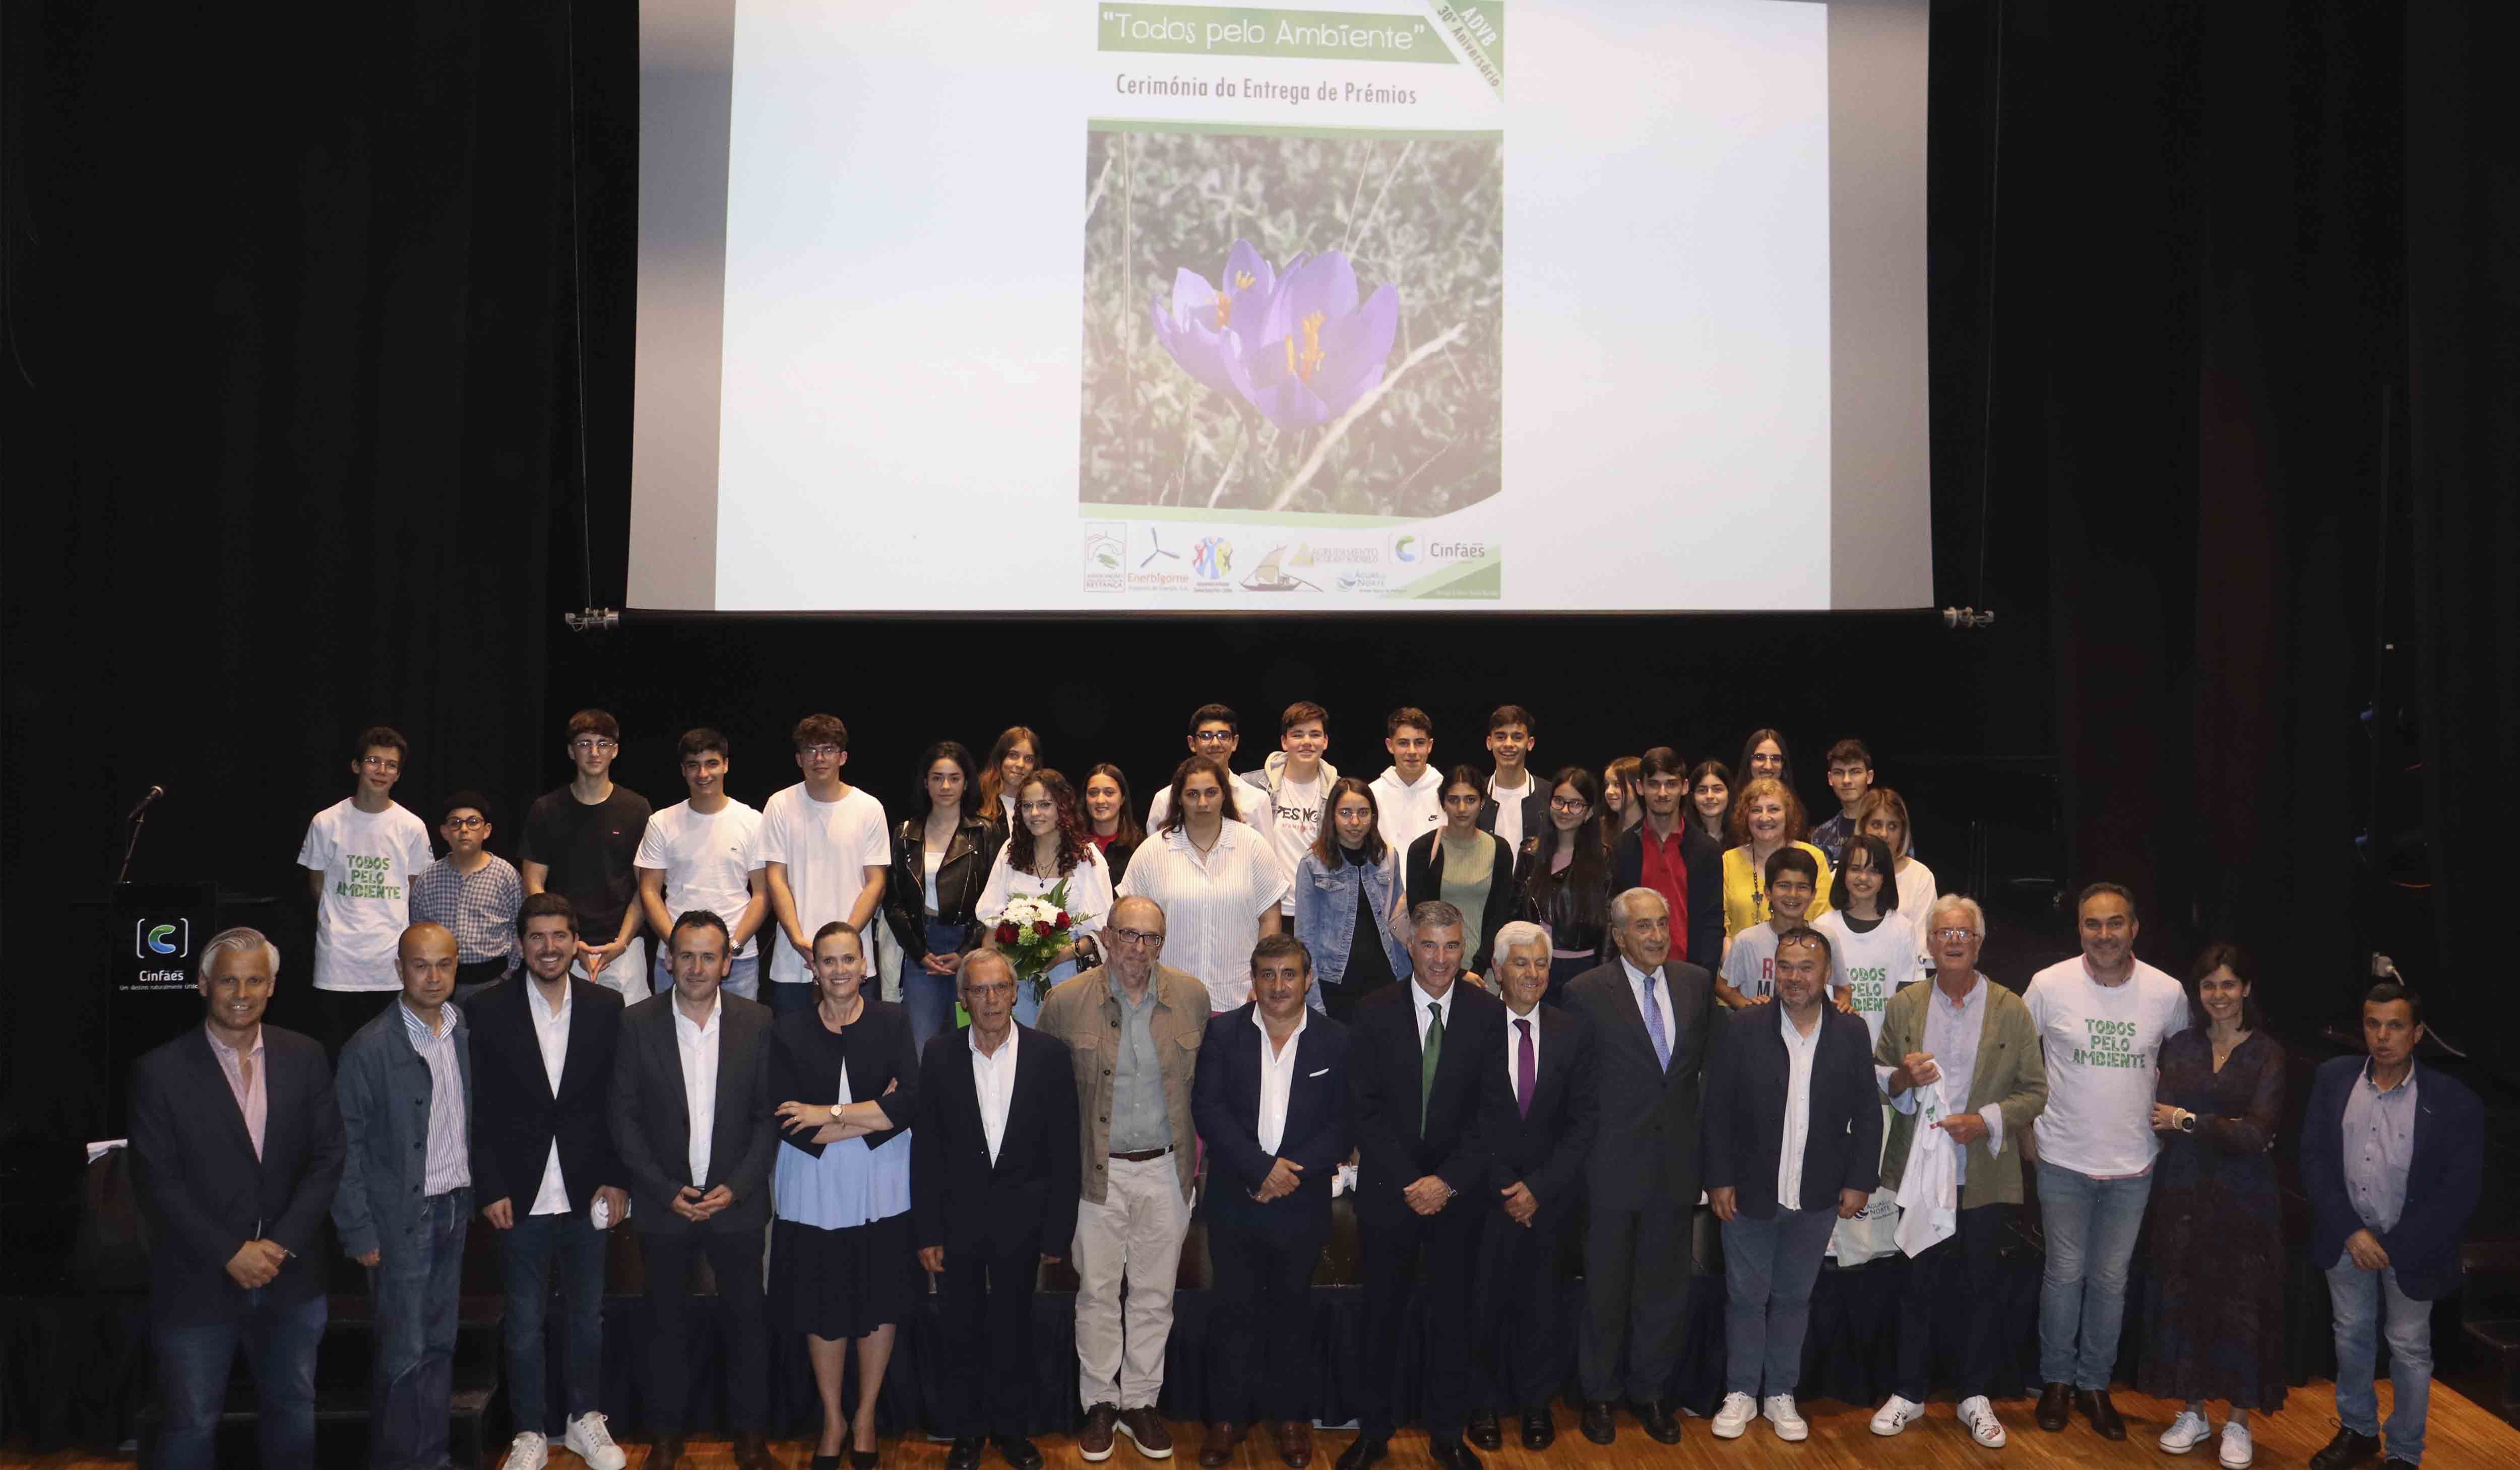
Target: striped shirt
(479,908)
(244,1073)
(447,1166)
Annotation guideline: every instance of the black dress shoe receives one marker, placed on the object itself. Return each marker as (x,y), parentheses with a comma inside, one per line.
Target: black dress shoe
(1659,1421)
(2055,1402)
(965,1453)
(864,1459)
(2096,1407)
(1018,1450)
(2395,1463)
(667,1451)
(1538,1430)
(1369,1450)
(1483,1431)
(1450,1454)
(1600,1423)
(752,1452)
(2347,1449)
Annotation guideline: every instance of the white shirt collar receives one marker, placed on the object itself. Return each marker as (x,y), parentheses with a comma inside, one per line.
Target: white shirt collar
(1423,1000)
(1178,837)
(1261,1022)
(1977,988)
(717,1009)
(542,1007)
(1006,1050)
(1794,1035)
(1635,976)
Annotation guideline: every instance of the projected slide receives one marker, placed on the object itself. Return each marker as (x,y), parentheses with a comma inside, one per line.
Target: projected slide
(1065,307)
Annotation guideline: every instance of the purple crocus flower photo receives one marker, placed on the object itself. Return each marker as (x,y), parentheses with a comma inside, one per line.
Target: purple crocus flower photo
(1203,325)
(1318,351)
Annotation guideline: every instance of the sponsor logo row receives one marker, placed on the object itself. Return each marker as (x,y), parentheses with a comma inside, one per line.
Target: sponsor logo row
(1120,557)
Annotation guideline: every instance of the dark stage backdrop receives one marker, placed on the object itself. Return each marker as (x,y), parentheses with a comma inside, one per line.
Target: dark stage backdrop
(294,406)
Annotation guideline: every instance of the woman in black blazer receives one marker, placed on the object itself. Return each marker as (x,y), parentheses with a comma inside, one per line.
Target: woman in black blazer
(840,1249)
(1489,908)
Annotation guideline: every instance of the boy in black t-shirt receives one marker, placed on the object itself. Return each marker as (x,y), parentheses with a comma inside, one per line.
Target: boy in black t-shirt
(582,844)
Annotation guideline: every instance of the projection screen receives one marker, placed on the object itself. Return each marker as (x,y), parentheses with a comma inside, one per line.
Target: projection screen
(1056,307)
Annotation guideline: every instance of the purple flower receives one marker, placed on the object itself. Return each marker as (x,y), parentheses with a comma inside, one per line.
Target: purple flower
(1315,351)
(1204,326)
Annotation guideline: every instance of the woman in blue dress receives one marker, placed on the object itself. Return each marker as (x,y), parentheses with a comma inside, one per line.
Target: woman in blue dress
(840,1254)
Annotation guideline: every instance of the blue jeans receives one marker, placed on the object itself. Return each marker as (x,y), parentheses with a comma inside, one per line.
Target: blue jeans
(1768,1268)
(2359,1299)
(2090,1226)
(930,999)
(414,1287)
(527,1254)
(743,976)
(192,1364)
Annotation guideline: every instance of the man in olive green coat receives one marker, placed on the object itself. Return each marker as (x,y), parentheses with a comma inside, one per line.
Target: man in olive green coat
(1960,1059)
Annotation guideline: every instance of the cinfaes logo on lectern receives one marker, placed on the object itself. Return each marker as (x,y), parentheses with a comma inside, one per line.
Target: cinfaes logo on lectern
(151,939)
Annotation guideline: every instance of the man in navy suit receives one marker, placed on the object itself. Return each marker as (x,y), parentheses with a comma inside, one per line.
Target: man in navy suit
(1792,1138)
(1537,1145)
(1270,1098)
(2392,1157)
(236,1149)
(543,1045)
(994,1181)
(1423,1079)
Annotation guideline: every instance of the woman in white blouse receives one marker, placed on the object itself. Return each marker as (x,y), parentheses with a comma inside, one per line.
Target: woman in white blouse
(1047,847)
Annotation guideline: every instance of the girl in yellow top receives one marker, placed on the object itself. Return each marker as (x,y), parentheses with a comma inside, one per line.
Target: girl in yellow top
(1766,816)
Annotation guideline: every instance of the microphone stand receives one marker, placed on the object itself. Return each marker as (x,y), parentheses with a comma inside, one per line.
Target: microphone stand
(138,819)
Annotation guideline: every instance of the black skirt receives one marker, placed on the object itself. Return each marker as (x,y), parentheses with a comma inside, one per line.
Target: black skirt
(841,1285)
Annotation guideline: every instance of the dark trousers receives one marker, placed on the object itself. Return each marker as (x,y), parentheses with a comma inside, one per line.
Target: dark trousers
(1519,1354)
(985,1302)
(1395,1242)
(1636,1285)
(735,1257)
(413,1286)
(1263,1355)
(337,1015)
(1962,1268)
(539,1248)
(783,997)
(193,1363)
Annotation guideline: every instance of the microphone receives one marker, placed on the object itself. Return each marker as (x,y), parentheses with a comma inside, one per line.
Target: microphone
(154,795)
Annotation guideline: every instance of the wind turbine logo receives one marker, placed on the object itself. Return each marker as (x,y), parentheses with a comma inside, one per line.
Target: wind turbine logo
(1157,536)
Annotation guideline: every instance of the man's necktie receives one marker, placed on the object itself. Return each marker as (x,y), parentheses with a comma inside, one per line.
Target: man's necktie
(1653,1027)
(1526,1069)
(1430,1052)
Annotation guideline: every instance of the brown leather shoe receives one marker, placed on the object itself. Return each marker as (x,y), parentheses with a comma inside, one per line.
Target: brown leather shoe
(1093,1436)
(1294,1442)
(1217,1449)
(2055,1402)
(665,1453)
(2096,1407)
(752,1452)
(1146,1429)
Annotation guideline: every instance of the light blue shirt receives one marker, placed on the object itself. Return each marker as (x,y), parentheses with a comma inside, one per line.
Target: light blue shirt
(2379,1144)
(1138,1119)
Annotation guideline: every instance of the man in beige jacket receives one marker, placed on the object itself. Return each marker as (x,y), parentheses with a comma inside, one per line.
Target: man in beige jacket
(1133,1026)
(1959,1056)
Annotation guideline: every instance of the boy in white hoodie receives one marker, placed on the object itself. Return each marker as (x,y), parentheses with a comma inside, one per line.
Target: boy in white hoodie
(1409,793)
(1297,781)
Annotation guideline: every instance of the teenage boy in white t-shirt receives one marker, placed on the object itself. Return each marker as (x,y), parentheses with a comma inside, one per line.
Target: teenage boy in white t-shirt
(2101,1021)
(1298,784)
(1216,732)
(360,855)
(697,854)
(820,853)
(1407,796)
(1749,976)
(1517,804)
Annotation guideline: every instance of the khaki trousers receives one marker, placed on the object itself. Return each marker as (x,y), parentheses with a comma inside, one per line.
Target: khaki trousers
(1136,1233)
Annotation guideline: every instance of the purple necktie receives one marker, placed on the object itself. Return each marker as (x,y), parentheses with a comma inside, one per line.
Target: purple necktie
(1526,1071)
(1653,1027)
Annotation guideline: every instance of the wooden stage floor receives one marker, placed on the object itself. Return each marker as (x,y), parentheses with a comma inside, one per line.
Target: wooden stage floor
(2461,1435)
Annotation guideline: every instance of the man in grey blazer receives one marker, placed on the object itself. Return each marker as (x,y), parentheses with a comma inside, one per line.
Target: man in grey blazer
(692,1123)
(1652,1018)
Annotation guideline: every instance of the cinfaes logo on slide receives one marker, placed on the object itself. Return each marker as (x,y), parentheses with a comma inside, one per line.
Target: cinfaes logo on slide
(1403,547)
(150,939)
(1107,557)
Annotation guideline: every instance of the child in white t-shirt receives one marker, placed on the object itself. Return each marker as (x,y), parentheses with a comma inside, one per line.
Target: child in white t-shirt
(360,855)
(1749,976)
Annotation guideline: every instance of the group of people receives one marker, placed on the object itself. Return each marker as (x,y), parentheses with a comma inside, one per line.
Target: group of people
(1499,1013)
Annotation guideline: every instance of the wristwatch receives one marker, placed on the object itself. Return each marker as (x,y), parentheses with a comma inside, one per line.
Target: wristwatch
(2186,1120)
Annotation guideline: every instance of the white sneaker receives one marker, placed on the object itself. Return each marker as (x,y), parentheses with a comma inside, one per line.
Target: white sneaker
(2238,1450)
(1978,1413)
(1735,1416)
(526,1452)
(1896,1415)
(2186,1433)
(592,1442)
(1779,1411)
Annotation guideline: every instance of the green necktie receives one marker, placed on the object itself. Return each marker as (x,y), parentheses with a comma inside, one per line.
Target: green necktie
(1430,1054)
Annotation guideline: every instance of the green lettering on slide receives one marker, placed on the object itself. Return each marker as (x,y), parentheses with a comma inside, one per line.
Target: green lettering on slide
(1309,34)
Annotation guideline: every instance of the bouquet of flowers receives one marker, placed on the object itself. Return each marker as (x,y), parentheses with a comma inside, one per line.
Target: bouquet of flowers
(1031,930)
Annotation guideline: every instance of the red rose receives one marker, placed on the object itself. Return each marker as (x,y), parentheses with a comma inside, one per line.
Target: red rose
(1062,920)
(1040,929)
(1007,933)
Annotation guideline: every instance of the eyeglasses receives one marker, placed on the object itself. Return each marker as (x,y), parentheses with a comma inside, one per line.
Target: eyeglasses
(819,752)
(1560,804)
(1213,736)
(1134,937)
(588,747)
(1954,934)
(466,824)
(380,763)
